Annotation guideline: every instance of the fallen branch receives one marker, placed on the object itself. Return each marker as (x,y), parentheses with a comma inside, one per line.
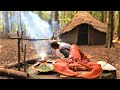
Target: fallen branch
(27,38)
(15,64)
(13,73)
(11,65)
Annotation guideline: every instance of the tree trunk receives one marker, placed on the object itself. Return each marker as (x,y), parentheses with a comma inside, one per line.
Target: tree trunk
(25,25)
(1,19)
(5,15)
(3,23)
(56,25)
(56,16)
(118,29)
(19,54)
(21,31)
(18,22)
(102,12)
(6,22)
(11,20)
(51,19)
(105,16)
(109,34)
(63,17)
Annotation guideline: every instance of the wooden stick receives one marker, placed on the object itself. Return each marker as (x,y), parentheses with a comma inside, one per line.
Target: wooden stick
(22,41)
(24,58)
(18,34)
(18,52)
(27,38)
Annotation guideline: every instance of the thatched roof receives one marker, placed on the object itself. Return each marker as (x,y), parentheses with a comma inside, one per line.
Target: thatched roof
(83,18)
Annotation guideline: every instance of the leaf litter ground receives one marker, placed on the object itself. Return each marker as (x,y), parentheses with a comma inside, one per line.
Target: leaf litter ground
(8,53)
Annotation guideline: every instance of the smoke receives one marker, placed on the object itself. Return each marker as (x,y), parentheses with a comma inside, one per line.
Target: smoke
(36,28)
(55,27)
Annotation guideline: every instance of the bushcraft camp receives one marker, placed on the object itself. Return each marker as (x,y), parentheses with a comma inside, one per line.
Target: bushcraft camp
(59,44)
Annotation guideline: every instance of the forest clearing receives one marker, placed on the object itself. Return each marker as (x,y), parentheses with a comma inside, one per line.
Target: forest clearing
(25,37)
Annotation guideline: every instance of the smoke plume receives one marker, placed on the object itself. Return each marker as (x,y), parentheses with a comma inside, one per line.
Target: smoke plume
(36,28)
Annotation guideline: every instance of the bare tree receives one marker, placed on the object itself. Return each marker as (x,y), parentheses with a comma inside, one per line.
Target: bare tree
(102,13)
(109,34)
(3,23)
(56,18)
(18,22)
(63,17)
(105,16)
(5,16)
(118,29)
(11,23)
(51,18)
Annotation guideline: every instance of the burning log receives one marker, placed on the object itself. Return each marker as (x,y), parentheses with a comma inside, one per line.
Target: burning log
(13,73)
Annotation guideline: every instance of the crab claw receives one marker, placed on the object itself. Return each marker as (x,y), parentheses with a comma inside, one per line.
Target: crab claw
(62,68)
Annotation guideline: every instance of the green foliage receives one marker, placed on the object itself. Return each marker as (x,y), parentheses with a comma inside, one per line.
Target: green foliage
(64,17)
(97,15)
(45,15)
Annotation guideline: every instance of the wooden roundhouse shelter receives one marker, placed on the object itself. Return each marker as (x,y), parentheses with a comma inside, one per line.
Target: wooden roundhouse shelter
(84,29)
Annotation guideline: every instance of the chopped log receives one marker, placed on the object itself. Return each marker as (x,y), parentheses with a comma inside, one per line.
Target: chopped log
(15,64)
(13,73)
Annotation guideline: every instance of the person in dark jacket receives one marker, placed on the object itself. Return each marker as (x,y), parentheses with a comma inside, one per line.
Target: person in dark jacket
(63,47)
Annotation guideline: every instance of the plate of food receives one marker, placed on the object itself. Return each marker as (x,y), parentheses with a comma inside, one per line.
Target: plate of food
(46,66)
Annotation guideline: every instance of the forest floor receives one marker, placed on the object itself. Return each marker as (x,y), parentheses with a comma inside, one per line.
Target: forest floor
(8,53)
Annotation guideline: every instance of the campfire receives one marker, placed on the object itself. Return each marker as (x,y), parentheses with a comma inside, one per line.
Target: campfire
(73,66)
(44,63)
